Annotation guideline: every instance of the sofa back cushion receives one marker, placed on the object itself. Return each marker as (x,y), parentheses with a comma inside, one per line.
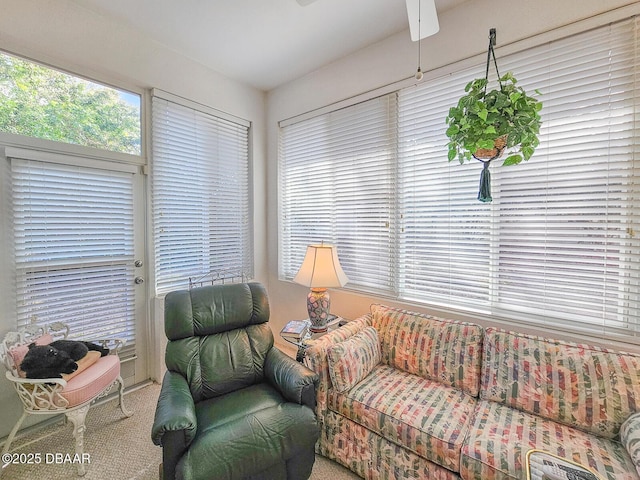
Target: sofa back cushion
(445,351)
(583,386)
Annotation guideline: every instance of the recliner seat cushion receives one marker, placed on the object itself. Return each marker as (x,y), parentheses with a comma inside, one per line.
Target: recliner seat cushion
(423,416)
(244,432)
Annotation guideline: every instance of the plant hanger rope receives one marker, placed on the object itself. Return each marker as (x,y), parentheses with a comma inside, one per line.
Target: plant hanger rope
(491,53)
(484,191)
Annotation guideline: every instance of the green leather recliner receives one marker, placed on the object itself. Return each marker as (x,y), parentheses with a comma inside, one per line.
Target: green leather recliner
(231,405)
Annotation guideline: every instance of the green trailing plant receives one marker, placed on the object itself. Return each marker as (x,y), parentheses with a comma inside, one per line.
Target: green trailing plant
(480,117)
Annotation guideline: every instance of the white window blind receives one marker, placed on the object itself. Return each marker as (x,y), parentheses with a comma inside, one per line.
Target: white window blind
(445,233)
(200,195)
(73,240)
(566,221)
(336,183)
(559,244)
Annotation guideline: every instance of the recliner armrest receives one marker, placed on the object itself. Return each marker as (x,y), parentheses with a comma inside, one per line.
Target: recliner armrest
(175,422)
(293,380)
(175,410)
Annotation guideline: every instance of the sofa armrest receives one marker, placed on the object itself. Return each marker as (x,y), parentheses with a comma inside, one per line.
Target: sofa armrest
(293,380)
(630,438)
(316,356)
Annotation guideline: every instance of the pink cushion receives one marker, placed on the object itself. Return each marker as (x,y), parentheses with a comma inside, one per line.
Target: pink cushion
(92,381)
(17,354)
(85,362)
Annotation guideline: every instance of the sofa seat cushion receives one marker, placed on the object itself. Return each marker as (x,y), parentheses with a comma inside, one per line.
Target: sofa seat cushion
(501,436)
(373,457)
(236,435)
(421,415)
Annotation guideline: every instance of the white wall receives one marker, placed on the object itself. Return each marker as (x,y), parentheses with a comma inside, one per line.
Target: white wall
(463,34)
(67,35)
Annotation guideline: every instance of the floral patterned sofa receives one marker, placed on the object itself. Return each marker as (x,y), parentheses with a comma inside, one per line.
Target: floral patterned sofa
(405,395)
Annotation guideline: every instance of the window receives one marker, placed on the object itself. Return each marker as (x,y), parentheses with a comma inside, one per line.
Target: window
(73,240)
(558,245)
(200,193)
(41,102)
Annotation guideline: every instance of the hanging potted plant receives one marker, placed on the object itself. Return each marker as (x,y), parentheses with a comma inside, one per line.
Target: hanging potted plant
(486,123)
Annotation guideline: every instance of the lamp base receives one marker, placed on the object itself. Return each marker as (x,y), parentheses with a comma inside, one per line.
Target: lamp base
(318,304)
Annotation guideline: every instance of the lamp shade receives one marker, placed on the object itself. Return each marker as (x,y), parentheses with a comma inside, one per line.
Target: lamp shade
(321,268)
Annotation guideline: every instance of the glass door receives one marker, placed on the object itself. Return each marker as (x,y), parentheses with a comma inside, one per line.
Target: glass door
(79,255)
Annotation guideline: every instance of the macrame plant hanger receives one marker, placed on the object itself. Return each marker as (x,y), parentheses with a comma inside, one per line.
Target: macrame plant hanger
(484,193)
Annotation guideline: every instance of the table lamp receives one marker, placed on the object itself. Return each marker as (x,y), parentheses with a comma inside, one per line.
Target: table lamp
(320,270)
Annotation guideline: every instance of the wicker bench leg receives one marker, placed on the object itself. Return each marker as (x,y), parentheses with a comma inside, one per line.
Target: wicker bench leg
(125,410)
(7,443)
(77,417)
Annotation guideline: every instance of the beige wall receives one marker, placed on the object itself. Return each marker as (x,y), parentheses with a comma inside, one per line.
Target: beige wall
(463,34)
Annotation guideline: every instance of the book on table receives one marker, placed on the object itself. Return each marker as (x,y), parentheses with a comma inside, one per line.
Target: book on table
(295,329)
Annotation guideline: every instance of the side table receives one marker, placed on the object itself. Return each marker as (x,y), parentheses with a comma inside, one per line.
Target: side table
(303,343)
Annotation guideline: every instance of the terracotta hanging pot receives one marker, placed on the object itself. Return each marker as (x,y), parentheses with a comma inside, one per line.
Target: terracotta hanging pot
(499,145)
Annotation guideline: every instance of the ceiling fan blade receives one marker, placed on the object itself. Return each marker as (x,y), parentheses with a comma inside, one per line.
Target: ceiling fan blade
(304,3)
(425,12)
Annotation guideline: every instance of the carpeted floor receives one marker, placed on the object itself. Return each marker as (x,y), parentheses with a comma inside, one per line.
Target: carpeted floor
(119,448)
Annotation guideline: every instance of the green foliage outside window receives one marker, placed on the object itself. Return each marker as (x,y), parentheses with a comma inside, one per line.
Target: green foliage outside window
(40,102)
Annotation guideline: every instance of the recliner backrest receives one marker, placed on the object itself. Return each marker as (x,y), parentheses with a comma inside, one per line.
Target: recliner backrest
(218,337)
